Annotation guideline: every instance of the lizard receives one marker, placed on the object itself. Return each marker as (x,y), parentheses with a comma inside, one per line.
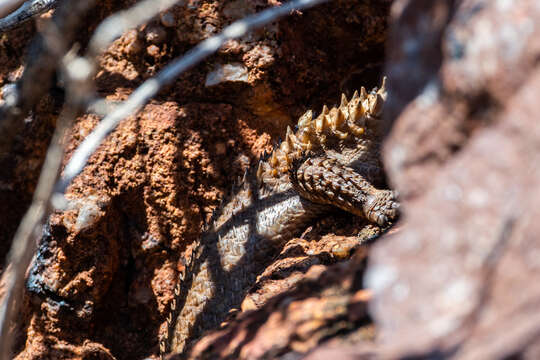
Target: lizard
(330,161)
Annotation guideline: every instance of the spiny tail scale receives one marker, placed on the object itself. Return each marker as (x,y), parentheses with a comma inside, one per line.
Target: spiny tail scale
(332,160)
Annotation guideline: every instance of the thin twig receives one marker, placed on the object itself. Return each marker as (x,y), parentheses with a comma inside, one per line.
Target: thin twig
(24,13)
(44,54)
(115,25)
(43,61)
(150,87)
(27,234)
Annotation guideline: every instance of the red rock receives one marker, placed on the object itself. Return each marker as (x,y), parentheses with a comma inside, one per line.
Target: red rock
(460,278)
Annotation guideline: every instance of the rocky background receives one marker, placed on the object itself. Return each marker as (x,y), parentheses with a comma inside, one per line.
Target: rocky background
(457,277)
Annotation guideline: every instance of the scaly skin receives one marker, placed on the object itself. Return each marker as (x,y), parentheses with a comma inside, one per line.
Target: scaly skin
(331,161)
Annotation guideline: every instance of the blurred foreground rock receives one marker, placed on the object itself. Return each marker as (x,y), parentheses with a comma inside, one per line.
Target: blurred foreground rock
(461,277)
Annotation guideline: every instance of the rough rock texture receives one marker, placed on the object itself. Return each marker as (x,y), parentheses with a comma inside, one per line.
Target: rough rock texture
(104,276)
(308,302)
(461,277)
(20,167)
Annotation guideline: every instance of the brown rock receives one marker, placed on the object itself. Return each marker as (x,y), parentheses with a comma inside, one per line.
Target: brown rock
(168,19)
(460,278)
(107,267)
(153,50)
(155,34)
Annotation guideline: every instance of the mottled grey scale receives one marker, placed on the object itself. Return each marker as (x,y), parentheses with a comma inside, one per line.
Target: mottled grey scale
(330,161)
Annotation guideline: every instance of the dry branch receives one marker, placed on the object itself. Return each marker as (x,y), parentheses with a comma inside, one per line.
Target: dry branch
(44,55)
(22,14)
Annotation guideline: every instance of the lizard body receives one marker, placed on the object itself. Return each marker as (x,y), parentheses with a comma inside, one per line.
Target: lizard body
(331,160)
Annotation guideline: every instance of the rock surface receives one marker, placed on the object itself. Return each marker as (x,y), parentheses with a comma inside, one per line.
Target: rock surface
(458,276)
(103,279)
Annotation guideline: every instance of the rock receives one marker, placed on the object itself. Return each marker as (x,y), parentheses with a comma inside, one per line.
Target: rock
(227,72)
(155,34)
(460,278)
(168,19)
(105,274)
(152,50)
